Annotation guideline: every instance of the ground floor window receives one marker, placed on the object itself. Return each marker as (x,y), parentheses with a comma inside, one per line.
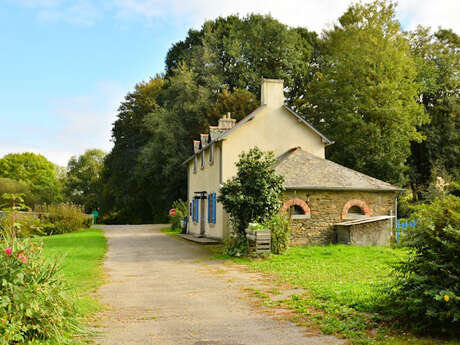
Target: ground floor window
(296,208)
(212,203)
(355,209)
(195,209)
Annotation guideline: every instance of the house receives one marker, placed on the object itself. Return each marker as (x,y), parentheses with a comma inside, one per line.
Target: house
(320,195)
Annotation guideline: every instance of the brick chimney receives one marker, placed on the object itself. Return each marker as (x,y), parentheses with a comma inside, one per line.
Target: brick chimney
(272,94)
(225,123)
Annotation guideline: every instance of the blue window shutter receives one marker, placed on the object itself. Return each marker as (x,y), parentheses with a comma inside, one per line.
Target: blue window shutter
(195,214)
(214,203)
(209,207)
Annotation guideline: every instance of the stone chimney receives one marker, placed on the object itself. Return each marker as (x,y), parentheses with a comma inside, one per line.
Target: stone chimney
(272,94)
(204,139)
(196,146)
(225,123)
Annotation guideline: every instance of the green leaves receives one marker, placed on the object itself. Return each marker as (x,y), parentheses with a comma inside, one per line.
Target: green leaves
(253,194)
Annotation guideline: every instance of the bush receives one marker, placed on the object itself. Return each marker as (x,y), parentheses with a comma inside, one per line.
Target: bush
(279,226)
(181,207)
(253,194)
(426,288)
(34,303)
(62,218)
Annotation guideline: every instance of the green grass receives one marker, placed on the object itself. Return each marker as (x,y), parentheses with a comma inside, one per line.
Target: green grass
(82,254)
(341,285)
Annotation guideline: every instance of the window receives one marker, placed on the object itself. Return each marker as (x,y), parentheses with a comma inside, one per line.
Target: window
(212,203)
(296,210)
(202,159)
(194,164)
(211,154)
(354,209)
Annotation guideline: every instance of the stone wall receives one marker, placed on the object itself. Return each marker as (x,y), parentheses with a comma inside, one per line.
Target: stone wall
(326,208)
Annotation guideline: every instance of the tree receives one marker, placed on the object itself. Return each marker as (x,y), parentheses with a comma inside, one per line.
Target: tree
(83,181)
(35,171)
(122,192)
(364,95)
(438,70)
(253,194)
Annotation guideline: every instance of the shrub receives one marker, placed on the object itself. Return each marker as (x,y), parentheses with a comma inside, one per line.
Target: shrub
(279,225)
(253,194)
(34,303)
(181,207)
(62,218)
(426,288)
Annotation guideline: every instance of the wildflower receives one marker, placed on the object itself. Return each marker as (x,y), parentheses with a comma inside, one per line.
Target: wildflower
(446,298)
(23,258)
(8,251)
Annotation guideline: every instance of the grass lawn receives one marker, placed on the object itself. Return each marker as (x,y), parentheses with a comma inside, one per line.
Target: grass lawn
(341,285)
(83,253)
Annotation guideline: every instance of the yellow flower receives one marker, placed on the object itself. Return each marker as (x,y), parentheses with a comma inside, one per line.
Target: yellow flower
(446,298)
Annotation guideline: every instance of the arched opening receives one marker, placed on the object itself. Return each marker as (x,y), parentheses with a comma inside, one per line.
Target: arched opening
(354,209)
(297,208)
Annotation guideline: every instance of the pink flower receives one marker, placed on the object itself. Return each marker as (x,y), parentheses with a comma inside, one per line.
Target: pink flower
(8,251)
(22,258)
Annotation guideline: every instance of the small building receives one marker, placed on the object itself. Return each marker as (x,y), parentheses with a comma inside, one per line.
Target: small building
(319,193)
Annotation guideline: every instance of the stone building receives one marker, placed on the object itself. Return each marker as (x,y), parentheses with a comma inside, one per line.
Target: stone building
(319,193)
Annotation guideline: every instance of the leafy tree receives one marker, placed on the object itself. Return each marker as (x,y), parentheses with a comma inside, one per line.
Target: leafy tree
(35,171)
(364,93)
(253,194)
(438,71)
(122,192)
(83,182)
(239,103)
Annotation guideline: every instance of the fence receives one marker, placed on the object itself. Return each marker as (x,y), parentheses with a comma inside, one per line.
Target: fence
(402,224)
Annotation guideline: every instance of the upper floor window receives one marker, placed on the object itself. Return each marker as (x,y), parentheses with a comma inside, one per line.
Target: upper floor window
(211,153)
(194,164)
(202,159)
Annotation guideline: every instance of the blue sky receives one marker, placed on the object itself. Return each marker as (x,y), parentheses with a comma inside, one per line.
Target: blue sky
(66,65)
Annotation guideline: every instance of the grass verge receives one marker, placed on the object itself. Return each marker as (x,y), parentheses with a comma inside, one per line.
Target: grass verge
(82,253)
(339,286)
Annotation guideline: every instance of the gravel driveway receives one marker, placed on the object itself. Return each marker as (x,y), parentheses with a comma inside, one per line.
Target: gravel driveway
(163,290)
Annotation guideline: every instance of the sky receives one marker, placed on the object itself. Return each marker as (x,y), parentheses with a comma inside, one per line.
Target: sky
(65,65)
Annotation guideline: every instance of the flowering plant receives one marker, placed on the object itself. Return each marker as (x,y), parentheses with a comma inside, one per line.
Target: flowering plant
(34,302)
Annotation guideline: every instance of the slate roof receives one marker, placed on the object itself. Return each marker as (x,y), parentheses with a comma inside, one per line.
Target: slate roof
(303,170)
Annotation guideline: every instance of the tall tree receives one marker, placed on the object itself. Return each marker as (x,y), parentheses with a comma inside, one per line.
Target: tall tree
(121,195)
(437,56)
(35,171)
(83,181)
(364,95)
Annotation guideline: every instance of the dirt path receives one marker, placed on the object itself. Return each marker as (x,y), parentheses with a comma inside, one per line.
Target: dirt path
(162,291)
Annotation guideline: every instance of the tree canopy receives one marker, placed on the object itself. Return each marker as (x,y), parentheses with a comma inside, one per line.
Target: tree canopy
(35,171)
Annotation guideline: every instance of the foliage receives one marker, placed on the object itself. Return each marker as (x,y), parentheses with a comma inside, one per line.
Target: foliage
(253,194)
(438,71)
(83,180)
(280,226)
(426,287)
(13,202)
(35,171)
(8,185)
(182,210)
(123,197)
(62,218)
(235,244)
(34,303)
(364,93)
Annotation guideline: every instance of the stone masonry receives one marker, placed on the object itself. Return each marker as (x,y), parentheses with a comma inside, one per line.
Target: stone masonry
(329,207)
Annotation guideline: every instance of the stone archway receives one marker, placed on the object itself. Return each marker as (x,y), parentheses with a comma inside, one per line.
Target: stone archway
(355,203)
(296,202)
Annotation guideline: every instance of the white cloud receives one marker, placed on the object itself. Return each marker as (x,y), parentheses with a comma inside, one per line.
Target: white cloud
(313,14)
